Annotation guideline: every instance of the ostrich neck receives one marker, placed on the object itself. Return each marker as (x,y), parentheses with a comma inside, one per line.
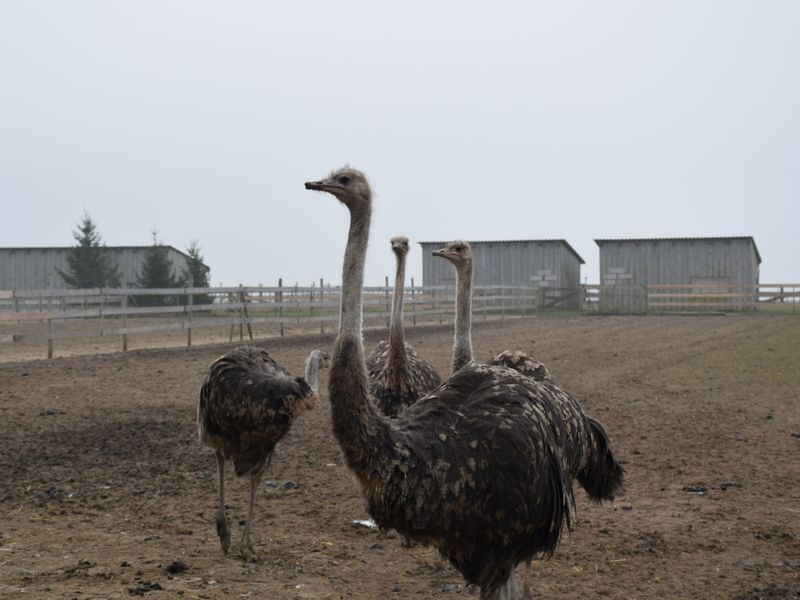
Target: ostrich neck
(396,359)
(312,373)
(358,426)
(462,343)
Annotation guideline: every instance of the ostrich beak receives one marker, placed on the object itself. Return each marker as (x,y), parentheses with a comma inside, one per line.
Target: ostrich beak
(320,186)
(440,252)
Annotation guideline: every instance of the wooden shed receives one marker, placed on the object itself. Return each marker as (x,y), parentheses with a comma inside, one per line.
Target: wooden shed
(550,264)
(645,274)
(35,268)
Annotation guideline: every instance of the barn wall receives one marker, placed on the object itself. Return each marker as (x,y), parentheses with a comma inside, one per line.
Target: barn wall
(530,263)
(639,263)
(35,268)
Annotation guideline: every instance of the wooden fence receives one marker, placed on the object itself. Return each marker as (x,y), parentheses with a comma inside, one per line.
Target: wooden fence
(64,316)
(692,298)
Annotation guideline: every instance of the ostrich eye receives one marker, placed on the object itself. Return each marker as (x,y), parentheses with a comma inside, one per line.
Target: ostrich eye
(344,180)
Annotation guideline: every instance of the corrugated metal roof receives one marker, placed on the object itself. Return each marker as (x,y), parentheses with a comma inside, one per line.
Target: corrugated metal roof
(748,238)
(564,242)
(106,247)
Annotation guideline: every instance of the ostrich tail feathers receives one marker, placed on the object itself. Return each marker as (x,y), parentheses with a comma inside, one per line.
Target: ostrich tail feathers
(603,477)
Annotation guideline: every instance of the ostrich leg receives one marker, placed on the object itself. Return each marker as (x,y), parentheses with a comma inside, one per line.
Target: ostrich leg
(246,546)
(223,531)
(509,591)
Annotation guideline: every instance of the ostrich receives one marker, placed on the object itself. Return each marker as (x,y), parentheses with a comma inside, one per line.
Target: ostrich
(459,253)
(397,375)
(247,404)
(481,467)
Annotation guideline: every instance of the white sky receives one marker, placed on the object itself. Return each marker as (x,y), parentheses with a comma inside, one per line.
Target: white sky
(490,120)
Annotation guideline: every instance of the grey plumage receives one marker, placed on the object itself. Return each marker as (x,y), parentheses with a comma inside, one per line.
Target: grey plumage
(522,363)
(247,405)
(481,468)
(395,389)
(398,376)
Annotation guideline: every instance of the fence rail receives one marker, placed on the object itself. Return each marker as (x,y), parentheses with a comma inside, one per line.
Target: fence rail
(38,316)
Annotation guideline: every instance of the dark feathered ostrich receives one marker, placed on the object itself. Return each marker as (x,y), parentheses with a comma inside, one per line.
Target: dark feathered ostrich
(481,467)
(398,376)
(459,253)
(247,404)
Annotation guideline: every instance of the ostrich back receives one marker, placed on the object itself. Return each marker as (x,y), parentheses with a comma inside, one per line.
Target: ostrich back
(247,404)
(588,452)
(480,468)
(521,362)
(395,390)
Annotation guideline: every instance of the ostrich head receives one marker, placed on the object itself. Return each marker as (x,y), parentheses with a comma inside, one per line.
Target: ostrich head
(349,185)
(322,358)
(399,245)
(459,253)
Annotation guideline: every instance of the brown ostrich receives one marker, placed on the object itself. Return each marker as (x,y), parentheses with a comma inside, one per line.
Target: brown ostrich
(247,404)
(459,253)
(481,467)
(398,376)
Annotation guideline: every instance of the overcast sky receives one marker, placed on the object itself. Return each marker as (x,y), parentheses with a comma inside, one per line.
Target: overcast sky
(473,120)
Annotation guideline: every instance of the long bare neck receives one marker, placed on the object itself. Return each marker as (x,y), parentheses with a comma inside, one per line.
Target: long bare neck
(462,343)
(397,342)
(357,424)
(312,372)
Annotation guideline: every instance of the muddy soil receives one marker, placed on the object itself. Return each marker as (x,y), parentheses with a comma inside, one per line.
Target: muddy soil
(106,492)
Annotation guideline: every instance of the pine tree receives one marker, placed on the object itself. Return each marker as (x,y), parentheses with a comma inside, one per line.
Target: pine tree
(89,263)
(156,272)
(195,273)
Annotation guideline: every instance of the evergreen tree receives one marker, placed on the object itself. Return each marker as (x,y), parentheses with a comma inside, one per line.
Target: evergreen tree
(156,272)
(196,274)
(89,263)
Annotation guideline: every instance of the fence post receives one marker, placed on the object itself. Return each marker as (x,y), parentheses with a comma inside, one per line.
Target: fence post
(189,302)
(279,297)
(413,304)
(246,316)
(50,337)
(311,300)
(321,310)
(125,320)
(297,302)
(388,304)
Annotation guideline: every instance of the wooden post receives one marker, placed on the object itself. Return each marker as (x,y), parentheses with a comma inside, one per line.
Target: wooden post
(50,337)
(279,297)
(321,311)
(125,321)
(311,300)
(413,305)
(297,303)
(189,302)
(388,303)
(246,317)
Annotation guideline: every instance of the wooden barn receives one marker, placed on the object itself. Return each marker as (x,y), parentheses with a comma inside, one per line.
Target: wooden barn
(637,275)
(36,268)
(550,264)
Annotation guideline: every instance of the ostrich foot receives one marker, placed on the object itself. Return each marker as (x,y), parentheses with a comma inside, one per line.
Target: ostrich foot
(247,552)
(224,532)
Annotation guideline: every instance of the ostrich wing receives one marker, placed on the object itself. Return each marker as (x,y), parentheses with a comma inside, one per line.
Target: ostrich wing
(247,404)
(477,469)
(394,391)
(522,363)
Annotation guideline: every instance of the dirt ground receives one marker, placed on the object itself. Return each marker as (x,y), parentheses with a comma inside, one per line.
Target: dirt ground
(106,492)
